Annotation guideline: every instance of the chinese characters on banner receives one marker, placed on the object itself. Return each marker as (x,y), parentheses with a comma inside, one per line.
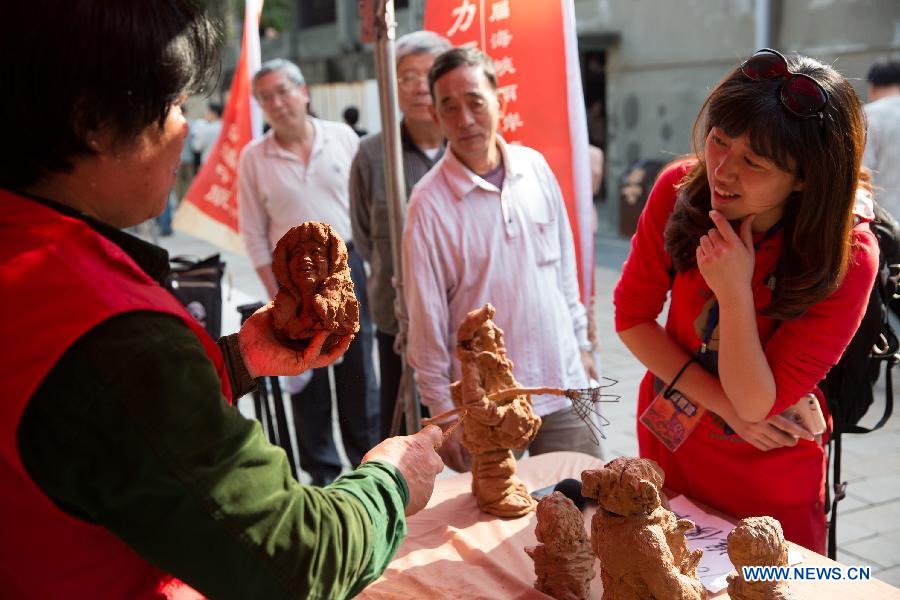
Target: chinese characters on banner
(209,210)
(534,48)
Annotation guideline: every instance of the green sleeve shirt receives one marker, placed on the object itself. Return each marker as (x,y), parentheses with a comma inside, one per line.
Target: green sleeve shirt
(130,431)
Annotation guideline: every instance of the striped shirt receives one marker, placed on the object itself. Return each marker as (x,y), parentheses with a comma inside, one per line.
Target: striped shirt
(467,243)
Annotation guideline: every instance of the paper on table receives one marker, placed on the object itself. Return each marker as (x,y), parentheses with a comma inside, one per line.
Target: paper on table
(711,535)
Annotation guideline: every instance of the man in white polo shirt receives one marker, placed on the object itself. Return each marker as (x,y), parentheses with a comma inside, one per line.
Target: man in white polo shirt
(299,171)
(487,224)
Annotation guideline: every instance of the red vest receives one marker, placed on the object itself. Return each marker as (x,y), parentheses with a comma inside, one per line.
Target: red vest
(58,279)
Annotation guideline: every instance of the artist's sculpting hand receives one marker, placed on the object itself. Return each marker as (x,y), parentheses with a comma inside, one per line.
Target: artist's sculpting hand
(416,459)
(264,354)
(454,454)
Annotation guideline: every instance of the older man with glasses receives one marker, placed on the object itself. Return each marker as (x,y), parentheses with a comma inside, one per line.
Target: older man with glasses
(422,145)
(298,172)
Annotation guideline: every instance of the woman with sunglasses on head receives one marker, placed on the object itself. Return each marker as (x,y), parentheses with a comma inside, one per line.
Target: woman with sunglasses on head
(763,240)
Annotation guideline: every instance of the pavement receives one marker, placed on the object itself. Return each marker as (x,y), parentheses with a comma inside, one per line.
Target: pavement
(869,517)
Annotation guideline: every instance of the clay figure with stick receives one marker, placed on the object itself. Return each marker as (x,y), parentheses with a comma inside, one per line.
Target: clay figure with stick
(492,429)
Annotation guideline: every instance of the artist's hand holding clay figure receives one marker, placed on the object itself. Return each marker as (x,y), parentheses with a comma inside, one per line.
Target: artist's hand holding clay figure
(492,429)
(563,561)
(315,293)
(264,353)
(640,544)
(757,541)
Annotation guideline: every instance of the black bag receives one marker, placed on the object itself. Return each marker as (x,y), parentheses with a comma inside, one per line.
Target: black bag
(198,286)
(849,385)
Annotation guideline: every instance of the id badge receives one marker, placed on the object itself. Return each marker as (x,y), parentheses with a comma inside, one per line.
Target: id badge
(671,417)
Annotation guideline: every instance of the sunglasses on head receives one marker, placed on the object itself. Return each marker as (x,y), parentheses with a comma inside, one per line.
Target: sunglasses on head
(800,94)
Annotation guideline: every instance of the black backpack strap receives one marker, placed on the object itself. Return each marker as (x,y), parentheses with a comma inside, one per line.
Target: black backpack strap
(888,405)
(890,356)
(886,350)
(839,490)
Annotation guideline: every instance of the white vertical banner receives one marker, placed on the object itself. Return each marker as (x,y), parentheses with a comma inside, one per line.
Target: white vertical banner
(581,169)
(252,13)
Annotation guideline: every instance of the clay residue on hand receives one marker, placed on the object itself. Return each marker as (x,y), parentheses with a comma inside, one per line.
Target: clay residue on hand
(640,543)
(757,541)
(315,290)
(563,562)
(492,429)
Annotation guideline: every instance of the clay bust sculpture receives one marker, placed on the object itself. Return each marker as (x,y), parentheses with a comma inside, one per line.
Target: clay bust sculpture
(315,290)
(492,429)
(639,542)
(563,562)
(757,541)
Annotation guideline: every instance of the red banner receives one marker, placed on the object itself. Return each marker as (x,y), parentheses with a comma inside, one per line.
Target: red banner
(209,210)
(534,49)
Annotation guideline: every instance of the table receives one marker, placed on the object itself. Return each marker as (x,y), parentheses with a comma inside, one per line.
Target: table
(455,551)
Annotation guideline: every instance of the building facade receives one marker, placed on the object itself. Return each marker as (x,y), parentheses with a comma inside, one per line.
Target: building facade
(646,64)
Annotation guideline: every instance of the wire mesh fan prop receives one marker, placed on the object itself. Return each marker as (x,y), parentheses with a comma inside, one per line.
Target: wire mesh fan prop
(585,402)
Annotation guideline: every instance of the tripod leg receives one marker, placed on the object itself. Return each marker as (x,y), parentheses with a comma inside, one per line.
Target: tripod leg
(399,414)
(259,406)
(268,423)
(283,435)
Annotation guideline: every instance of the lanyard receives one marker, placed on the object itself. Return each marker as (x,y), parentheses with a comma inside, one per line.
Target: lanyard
(712,319)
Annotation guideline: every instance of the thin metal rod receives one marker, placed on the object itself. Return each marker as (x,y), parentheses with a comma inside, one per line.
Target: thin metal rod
(386,73)
(436,419)
(449,431)
(508,393)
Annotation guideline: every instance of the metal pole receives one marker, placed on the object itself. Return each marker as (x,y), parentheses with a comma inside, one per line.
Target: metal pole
(386,73)
(763,19)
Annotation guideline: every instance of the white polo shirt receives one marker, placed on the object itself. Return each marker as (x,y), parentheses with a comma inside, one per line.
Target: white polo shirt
(277,191)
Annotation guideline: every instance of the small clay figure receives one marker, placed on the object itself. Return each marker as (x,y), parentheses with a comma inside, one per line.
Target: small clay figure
(757,541)
(640,543)
(492,429)
(563,562)
(316,292)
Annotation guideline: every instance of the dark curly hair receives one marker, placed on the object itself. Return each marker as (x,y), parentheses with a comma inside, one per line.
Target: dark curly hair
(825,154)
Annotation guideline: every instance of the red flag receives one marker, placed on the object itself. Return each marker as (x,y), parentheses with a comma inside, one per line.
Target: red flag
(209,210)
(535,53)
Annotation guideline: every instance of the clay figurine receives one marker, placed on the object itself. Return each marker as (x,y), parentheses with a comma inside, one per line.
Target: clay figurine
(563,562)
(315,290)
(492,429)
(640,543)
(757,541)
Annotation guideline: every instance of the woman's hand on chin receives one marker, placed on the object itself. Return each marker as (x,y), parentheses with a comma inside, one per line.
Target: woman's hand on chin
(726,258)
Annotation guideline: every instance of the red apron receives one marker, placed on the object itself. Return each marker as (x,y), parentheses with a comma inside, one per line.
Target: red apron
(59,279)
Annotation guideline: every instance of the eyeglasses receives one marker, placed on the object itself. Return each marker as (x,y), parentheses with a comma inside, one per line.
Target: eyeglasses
(800,94)
(282,93)
(410,81)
